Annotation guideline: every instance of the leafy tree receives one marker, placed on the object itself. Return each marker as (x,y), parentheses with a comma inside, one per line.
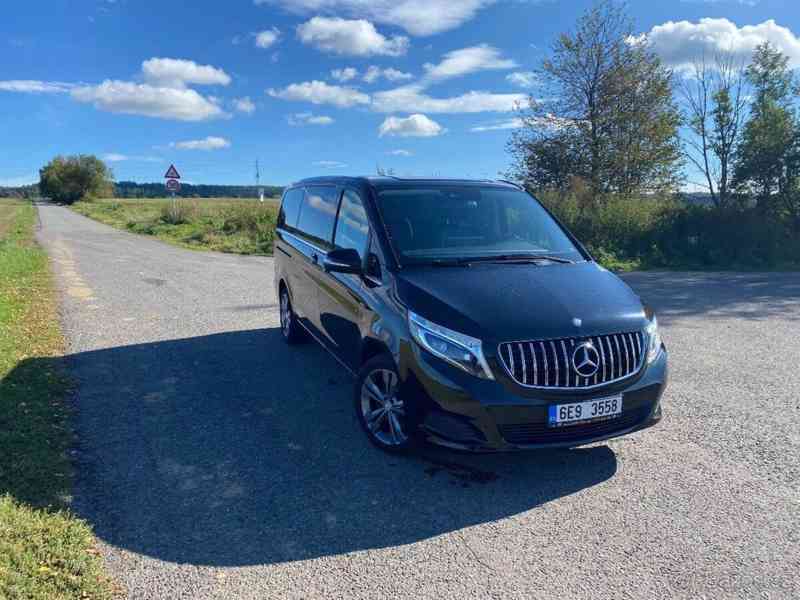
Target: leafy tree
(72,178)
(716,106)
(609,119)
(769,159)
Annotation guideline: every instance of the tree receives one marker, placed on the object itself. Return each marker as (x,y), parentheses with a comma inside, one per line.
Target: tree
(716,106)
(72,178)
(769,158)
(610,118)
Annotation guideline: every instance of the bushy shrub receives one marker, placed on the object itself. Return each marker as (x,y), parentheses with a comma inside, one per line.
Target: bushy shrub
(253,221)
(665,232)
(68,179)
(178,212)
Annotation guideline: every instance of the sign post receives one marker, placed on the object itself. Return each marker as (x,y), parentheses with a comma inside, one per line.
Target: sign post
(173,181)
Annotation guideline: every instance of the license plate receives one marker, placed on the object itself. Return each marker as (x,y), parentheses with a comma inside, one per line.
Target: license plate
(582,412)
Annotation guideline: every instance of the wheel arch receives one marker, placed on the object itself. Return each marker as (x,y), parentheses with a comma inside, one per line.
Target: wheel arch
(371,348)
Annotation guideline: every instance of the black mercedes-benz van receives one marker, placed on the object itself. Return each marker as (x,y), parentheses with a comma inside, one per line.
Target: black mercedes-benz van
(469,316)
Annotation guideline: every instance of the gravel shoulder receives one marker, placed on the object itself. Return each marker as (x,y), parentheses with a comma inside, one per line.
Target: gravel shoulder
(215,462)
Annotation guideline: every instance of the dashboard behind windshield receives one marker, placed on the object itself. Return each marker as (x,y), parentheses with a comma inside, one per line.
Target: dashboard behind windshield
(441,223)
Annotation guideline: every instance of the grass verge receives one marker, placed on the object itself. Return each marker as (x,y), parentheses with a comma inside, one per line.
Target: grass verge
(45,552)
(224,225)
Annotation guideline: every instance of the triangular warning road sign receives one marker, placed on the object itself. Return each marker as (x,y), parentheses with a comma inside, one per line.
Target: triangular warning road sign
(172,173)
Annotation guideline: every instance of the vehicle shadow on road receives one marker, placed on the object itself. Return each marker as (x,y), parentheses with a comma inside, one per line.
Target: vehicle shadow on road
(234,449)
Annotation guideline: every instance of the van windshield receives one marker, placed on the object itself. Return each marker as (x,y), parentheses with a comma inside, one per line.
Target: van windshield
(437,224)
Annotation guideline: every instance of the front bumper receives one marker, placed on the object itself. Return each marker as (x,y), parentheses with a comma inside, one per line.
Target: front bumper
(457,410)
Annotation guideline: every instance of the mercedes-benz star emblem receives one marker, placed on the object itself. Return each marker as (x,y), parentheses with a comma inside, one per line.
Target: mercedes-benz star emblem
(586,360)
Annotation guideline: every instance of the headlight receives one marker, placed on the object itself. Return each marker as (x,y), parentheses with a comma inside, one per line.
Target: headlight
(654,340)
(456,348)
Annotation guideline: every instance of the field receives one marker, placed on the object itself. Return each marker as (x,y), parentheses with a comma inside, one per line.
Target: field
(44,551)
(225,225)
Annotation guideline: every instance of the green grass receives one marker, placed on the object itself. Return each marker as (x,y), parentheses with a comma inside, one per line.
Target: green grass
(45,552)
(225,225)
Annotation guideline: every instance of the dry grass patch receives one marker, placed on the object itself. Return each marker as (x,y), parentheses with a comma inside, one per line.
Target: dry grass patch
(45,552)
(224,225)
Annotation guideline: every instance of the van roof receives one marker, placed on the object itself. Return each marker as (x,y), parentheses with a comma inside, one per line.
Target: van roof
(389,181)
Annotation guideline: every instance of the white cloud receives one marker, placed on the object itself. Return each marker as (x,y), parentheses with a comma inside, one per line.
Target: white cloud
(523,79)
(164,94)
(173,72)
(418,17)
(265,39)
(349,37)
(30,86)
(307,118)
(344,75)
(412,98)
(510,124)
(150,101)
(330,164)
(319,92)
(413,126)
(468,60)
(116,157)
(682,43)
(374,73)
(209,143)
(404,153)
(244,105)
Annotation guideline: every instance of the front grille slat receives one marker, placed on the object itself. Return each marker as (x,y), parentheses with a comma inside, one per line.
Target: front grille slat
(546,370)
(566,362)
(548,363)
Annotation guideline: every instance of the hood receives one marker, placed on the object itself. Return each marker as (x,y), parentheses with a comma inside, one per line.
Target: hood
(507,302)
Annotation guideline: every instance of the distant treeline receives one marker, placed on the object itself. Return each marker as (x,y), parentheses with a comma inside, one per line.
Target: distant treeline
(25,191)
(131,189)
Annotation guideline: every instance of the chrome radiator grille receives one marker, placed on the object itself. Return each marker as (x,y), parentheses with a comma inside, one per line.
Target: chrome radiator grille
(549,363)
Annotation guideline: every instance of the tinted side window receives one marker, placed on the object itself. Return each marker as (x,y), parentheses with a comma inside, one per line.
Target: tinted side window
(290,208)
(352,228)
(318,213)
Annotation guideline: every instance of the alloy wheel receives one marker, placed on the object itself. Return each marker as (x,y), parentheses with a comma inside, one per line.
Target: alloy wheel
(384,413)
(286,314)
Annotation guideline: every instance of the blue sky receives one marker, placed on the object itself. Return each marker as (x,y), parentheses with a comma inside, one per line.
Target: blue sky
(307,86)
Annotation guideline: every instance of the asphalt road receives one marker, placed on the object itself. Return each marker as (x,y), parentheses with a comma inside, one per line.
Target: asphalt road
(215,462)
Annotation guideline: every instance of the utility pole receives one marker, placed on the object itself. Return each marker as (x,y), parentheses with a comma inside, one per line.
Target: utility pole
(258,183)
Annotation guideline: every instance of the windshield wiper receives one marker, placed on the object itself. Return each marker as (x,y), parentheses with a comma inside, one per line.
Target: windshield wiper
(519,258)
(445,262)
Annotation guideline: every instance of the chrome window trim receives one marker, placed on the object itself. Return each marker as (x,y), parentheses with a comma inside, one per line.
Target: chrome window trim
(303,241)
(637,370)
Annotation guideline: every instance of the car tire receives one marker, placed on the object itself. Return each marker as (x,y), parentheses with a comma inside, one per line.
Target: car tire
(383,415)
(291,330)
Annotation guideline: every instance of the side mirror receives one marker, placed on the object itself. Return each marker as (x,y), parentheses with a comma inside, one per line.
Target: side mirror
(343,260)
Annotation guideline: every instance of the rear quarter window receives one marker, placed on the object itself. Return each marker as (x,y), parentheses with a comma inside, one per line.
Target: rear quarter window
(290,208)
(318,213)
